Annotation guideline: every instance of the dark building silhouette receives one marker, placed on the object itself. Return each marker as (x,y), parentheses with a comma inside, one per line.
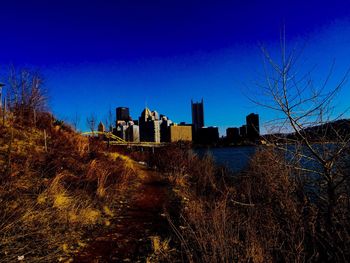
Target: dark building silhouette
(232,135)
(243,131)
(207,135)
(123,114)
(253,130)
(197,114)
(165,128)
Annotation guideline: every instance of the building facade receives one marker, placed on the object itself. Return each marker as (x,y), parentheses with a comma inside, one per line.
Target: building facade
(232,135)
(132,133)
(243,131)
(165,124)
(253,129)
(149,126)
(197,114)
(207,135)
(123,114)
(180,133)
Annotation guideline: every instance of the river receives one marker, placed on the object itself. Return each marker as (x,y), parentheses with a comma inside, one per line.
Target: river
(235,158)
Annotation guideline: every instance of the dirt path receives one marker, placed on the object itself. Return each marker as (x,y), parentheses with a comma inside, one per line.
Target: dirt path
(141,218)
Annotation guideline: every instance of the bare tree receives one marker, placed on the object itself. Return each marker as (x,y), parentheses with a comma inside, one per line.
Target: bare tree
(91,122)
(318,141)
(110,120)
(26,96)
(76,121)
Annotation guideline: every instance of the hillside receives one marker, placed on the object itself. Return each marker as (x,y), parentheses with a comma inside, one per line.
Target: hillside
(55,198)
(327,132)
(65,197)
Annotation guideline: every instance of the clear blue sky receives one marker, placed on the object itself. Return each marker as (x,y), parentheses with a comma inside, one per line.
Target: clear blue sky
(101,54)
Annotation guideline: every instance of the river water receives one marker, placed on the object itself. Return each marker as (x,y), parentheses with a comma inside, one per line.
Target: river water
(235,158)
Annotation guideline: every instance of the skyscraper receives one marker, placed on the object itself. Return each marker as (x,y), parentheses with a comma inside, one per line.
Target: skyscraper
(197,115)
(253,130)
(123,114)
(149,126)
(232,135)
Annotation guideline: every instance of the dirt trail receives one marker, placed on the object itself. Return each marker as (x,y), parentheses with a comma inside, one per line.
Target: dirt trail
(129,240)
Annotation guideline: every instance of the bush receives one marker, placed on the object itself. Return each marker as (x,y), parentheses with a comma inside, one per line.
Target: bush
(261,214)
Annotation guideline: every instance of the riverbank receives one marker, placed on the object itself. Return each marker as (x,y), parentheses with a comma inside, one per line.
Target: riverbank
(58,189)
(64,197)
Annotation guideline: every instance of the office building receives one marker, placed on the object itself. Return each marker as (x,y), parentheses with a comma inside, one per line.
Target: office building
(123,114)
(165,128)
(243,131)
(132,133)
(207,135)
(253,130)
(197,115)
(120,131)
(232,135)
(149,125)
(180,133)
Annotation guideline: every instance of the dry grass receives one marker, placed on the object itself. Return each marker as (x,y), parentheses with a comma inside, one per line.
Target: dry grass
(51,200)
(262,214)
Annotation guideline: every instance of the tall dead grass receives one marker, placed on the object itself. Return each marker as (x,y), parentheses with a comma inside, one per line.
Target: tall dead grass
(262,214)
(54,197)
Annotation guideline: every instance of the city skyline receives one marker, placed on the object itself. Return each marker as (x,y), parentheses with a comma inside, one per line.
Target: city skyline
(95,56)
(151,126)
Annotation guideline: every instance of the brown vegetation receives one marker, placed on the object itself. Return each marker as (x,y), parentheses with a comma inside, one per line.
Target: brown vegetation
(56,186)
(291,204)
(265,213)
(49,200)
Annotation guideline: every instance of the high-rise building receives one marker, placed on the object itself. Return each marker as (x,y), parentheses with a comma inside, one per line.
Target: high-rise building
(165,128)
(197,115)
(123,114)
(232,135)
(253,130)
(149,126)
(120,131)
(243,131)
(132,133)
(207,135)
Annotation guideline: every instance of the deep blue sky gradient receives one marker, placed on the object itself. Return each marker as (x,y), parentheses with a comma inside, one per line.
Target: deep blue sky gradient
(97,55)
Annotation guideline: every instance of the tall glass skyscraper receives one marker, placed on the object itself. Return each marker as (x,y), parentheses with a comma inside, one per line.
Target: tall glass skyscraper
(197,115)
(253,129)
(123,114)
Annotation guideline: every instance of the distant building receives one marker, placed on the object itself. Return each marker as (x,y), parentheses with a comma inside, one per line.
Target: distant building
(132,133)
(101,127)
(123,114)
(165,128)
(180,133)
(243,131)
(197,114)
(232,135)
(120,131)
(149,126)
(126,128)
(253,130)
(207,135)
